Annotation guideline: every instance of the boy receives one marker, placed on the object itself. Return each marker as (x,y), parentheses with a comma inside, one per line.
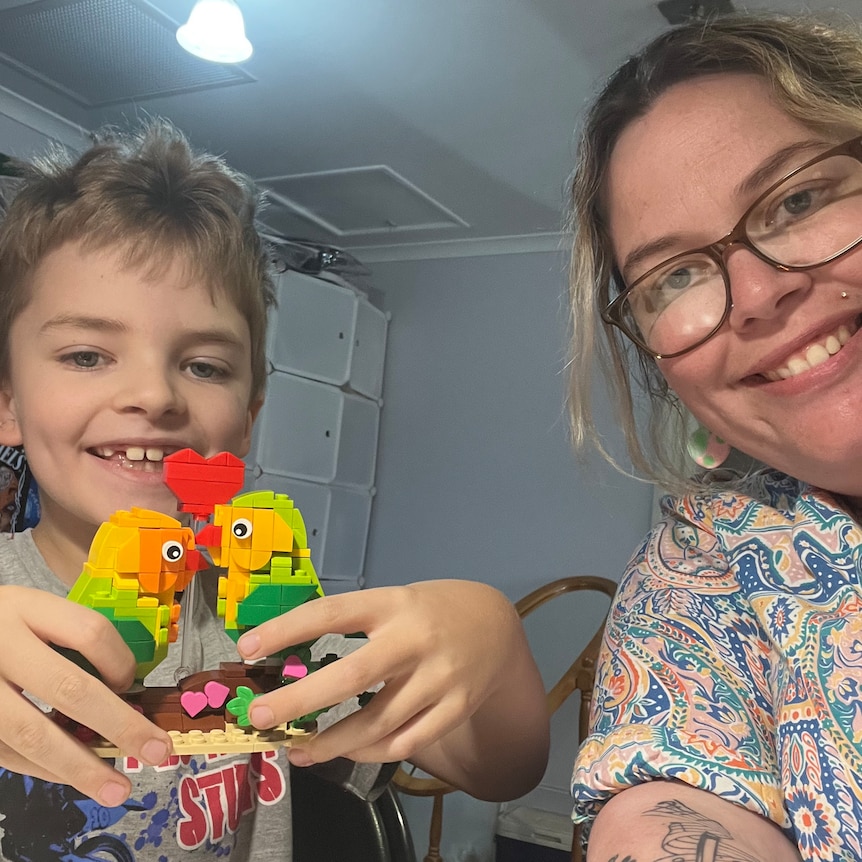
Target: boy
(134,301)
(133,297)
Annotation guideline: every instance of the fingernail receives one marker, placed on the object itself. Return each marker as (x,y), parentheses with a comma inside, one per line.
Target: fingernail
(249,644)
(261,716)
(298,757)
(155,751)
(113,794)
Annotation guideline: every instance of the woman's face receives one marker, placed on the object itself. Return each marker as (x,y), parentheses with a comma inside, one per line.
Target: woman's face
(680,177)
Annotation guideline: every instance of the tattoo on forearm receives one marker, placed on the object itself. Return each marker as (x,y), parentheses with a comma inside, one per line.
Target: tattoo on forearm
(691,837)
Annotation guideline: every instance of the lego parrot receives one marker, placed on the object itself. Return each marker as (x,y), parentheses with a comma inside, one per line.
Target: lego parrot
(260,539)
(138,561)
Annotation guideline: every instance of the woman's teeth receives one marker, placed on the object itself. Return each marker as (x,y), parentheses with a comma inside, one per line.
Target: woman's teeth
(813,355)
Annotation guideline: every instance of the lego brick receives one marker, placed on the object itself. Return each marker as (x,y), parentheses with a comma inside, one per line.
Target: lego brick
(253,615)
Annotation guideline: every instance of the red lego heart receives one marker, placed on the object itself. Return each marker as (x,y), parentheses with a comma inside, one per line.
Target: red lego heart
(201,483)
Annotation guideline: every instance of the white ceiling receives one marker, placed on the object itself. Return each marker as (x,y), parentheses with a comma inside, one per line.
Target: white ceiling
(458,113)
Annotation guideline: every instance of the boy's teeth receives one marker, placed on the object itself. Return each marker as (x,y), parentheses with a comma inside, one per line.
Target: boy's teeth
(134,453)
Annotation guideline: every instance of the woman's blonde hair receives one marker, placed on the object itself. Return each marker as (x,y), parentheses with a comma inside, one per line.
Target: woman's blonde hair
(148,194)
(814,69)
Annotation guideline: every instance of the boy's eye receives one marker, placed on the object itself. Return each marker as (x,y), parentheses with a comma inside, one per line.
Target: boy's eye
(83,358)
(205,370)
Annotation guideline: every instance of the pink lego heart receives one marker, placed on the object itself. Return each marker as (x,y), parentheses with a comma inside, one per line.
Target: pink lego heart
(216,693)
(294,668)
(193,702)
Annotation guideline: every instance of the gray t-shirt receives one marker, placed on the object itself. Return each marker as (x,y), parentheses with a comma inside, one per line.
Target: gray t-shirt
(234,807)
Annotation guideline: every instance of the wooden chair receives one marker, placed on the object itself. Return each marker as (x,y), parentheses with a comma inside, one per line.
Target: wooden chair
(579,677)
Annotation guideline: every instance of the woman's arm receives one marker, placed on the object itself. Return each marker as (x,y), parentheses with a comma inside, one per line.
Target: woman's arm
(664,820)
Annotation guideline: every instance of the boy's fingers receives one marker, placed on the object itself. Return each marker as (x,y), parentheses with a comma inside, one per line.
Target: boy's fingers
(32,744)
(392,727)
(30,664)
(351,675)
(70,625)
(336,614)
(83,698)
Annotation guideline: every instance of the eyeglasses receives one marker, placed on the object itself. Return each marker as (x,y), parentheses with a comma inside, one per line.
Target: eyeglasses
(811,217)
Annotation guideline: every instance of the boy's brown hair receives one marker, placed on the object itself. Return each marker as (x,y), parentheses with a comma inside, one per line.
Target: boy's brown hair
(147,193)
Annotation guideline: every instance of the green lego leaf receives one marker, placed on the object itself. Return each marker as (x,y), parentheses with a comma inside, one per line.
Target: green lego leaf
(239,705)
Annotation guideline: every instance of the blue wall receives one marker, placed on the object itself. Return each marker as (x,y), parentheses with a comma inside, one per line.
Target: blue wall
(476,477)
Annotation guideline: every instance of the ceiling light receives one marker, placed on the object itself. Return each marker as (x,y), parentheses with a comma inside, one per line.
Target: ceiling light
(215,31)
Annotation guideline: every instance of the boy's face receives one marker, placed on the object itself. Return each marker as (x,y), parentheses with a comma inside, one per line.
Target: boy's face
(110,369)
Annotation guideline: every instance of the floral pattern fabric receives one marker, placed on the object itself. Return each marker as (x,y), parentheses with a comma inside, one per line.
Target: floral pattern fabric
(732,661)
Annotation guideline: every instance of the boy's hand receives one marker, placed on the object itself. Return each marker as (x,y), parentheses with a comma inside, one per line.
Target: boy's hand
(461,686)
(30,742)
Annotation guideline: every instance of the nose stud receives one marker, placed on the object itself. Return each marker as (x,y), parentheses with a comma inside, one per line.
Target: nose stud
(843,294)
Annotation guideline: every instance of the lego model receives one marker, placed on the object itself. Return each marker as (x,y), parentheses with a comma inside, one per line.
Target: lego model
(260,539)
(138,561)
(141,560)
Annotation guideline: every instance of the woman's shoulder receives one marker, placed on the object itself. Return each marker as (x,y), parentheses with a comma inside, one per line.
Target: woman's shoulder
(728,495)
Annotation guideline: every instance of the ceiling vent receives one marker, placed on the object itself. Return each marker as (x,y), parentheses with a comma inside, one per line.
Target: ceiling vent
(105,52)
(682,11)
(357,201)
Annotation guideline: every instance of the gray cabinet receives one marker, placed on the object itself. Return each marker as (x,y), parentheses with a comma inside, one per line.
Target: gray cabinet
(316,436)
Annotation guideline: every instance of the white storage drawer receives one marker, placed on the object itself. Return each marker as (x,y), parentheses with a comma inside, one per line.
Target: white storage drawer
(369,349)
(313,329)
(298,428)
(312,431)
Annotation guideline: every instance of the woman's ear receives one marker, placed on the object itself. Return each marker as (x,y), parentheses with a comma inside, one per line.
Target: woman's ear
(10,433)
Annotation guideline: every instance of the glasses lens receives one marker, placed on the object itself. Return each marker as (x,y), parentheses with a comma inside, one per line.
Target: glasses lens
(676,305)
(813,216)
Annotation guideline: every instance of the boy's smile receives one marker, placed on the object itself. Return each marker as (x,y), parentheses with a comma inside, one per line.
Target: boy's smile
(147,457)
(110,370)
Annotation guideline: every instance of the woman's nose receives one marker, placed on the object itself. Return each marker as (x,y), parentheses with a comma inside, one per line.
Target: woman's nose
(759,290)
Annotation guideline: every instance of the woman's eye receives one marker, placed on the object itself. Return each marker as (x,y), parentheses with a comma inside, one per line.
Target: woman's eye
(798,203)
(801,203)
(679,279)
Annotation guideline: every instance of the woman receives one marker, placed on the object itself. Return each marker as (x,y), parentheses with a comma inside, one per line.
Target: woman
(718,213)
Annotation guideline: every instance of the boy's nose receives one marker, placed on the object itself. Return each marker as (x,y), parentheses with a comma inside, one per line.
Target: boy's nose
(154,393)
(759,290)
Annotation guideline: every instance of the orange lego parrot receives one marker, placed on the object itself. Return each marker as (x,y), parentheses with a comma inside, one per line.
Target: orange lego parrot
(138,561)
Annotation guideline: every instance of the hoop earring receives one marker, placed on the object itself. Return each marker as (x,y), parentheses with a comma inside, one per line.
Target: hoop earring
(707,449)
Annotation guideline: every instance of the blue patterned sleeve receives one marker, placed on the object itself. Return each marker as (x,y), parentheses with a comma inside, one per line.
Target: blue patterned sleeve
(684,679)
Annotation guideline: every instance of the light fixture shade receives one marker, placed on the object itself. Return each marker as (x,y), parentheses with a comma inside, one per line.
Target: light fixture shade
(215,31)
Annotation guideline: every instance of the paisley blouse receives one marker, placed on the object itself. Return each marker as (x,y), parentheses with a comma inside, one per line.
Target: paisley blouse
(732,661)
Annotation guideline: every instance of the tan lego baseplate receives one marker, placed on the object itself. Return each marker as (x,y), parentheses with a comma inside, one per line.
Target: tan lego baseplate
(231,740)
